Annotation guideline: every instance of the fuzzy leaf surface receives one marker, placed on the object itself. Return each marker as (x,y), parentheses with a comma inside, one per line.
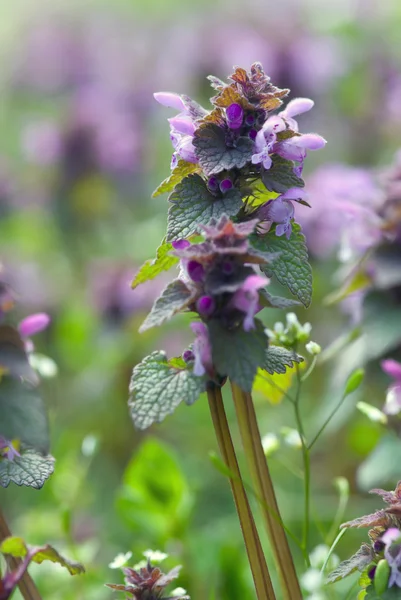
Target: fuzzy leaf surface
(192,204)
(30,469)
(278,359)
(357,562)
(182,169)
(151,268)
(175,297)
(16,547)
(292,267)
(215,155)
(238,353)
(281,177)
(156,389)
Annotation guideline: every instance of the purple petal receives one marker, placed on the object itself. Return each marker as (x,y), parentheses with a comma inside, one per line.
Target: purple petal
(392,368)
(33,324)
(392,406)
(182,124)
(235,115)
(310,141)
(187,150)
(205,306)
(202,350)
(246,298)
(180,244)
(297,107)
(170,100)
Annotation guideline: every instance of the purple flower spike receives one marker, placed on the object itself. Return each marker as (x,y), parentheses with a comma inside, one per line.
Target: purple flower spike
(180,244)
(235,116)
(195,271)
(226,185)
(246,298)
(170,100)
(205,306)
(33,324)
(183,124)
(392,553)
(202,350)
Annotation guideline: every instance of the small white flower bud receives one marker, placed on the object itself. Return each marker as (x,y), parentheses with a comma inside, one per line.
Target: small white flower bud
(313,348)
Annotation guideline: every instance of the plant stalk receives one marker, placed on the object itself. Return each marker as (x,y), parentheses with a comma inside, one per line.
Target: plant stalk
(260,573)
(26,585)
(260,473)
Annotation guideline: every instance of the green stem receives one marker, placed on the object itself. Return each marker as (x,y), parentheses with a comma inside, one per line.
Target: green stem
(327,421)
(258,466)
(26,585)
(261,577)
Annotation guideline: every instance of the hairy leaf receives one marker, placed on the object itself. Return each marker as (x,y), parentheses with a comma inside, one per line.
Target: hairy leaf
(182,169)
(278,359)
(30,469)
(175,297)
(359,561)
(16,547)
(156,389)
(151,268)
(215,154)
(292,267)
(267,300)
(192,204)
(281,177)
(236,353)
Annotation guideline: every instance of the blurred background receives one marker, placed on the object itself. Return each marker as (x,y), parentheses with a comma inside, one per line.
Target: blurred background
(83,144)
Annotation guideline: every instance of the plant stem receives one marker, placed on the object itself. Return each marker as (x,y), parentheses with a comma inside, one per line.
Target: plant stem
(327,421)
(261,577)
(258,466)
(26,584)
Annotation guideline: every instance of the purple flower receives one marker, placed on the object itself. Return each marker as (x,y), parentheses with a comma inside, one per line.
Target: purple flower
(180,244)
(234,115)
(170,100)
(205,306)
(392,553)
(7,449)
(265,140)
(33,324)
(182,128)
(226,185)
(202,350)
(393,399)
(295,148)
(295,107)
(246,298)
(281,210)
(195,271)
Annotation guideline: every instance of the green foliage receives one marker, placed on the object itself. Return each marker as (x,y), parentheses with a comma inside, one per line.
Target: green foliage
(292,267)
(151,268)
(357,562)
(392,593)
(192,205)
(31,469)
(277,359)
(236,353)
(174,298)
(354,381)
(382,575)
(281,177)
(156,389)
(215,155)
(182,169)
(16,547)
(271,301)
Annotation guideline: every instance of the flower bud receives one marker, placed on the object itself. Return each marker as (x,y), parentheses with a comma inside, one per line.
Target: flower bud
(205,306)
(226,185)
(313,348)
(195,271)
(235,115)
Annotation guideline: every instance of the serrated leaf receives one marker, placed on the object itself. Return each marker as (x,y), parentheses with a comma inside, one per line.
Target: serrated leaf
(292,267)
(281,177)
(192,204)
(267,300)
(23,415)
(182,169)
(215,155)
(277,359)
(30,469)
(151,268)
(156,389)
(174,298)
(357,562)
(16,547)
(236,353)
(273,387)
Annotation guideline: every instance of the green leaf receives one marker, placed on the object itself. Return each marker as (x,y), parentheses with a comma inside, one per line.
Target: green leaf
(357,562)
(30,469)
(182,169)
(277,359)
(268,300)
(151,268)
(23,415)
(213,152)
(281,177)
(156,389)
(236,353)
(174,298)
(16,547)
(354,381)
(292,267)
(273,387)
(192,204)
(392,593)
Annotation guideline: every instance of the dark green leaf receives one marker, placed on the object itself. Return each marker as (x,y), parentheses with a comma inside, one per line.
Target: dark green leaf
(30,469)
(16,547)
(175,297)
(357,562)
(151,268)
(182,169)
(156,389)
(213,152)
(192,204)
(292,267)
(23,415)
(236,353)
(281,177)
(267,300)
(278,359)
